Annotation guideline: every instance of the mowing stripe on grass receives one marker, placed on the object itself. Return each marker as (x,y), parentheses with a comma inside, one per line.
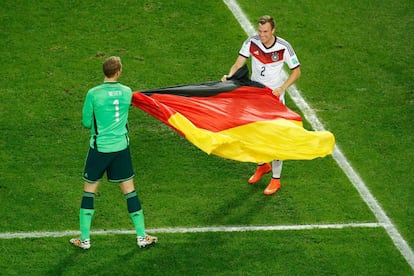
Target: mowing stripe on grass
(337,154)
(28,235)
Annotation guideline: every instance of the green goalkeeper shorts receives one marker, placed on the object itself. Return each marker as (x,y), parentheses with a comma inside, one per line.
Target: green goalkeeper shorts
(117,165)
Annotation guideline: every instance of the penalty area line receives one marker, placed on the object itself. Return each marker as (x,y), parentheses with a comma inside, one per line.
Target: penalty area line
(183,230)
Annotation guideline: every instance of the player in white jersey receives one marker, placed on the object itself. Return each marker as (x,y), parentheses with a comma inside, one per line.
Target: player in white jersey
(269,54)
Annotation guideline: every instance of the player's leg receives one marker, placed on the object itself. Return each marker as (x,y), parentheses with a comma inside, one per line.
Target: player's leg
(136,214)
(94,169)
(86,213)
(134,206)
(274,184)
(121,172)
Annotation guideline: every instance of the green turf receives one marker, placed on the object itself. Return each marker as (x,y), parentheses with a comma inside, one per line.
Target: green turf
(319,252)
(356,73)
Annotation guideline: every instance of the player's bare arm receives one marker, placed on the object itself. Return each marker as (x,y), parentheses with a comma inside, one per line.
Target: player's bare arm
(240,61)
(293,77)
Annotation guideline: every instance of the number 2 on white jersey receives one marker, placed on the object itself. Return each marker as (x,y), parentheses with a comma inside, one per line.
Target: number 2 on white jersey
(262,71)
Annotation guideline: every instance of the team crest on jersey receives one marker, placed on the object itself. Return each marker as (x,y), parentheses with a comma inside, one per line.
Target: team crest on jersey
(275,56)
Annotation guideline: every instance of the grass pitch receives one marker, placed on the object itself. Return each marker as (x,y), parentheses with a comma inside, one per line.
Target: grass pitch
(357,75)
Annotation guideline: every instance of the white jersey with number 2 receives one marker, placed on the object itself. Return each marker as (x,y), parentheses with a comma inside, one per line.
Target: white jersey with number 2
(267,63)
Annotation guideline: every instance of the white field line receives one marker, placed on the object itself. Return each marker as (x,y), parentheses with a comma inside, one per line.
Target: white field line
(26,235)
(337,154)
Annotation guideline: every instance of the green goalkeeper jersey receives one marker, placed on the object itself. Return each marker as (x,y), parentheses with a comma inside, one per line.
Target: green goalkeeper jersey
(105,112)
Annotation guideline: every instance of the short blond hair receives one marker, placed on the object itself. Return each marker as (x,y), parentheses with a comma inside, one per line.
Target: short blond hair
(267,19)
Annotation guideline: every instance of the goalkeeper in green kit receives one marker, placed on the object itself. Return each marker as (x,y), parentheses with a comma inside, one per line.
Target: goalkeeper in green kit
(105,112)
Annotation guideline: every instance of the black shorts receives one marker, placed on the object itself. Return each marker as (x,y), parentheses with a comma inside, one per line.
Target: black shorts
(117,165)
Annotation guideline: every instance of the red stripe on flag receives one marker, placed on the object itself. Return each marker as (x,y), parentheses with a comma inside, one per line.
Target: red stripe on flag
(226,110)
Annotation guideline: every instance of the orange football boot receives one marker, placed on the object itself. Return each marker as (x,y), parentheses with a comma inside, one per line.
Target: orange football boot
(273,186)
(260,171)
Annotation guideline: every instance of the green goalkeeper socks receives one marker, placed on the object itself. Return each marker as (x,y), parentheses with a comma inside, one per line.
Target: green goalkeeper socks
(85,215)
(87,211)
(139,224)
(85,218)
(136,213)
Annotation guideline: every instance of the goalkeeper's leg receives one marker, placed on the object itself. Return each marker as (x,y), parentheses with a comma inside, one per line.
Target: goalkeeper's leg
(137,215)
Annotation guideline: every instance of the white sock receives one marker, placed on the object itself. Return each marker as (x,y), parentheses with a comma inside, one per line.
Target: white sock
(277,168)
(277,164)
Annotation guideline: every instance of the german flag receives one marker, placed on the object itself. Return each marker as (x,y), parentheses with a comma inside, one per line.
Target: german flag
(239,119)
